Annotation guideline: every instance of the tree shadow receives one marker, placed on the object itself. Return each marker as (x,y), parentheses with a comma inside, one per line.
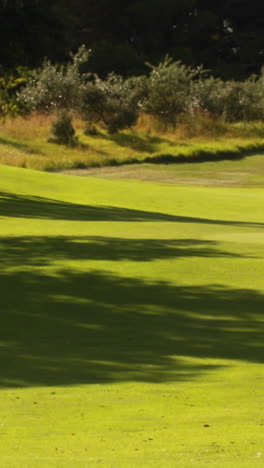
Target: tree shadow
(79,327)
(138,143)
(28,206)
(19,146)
(40,251)
(147,143)
(205,155)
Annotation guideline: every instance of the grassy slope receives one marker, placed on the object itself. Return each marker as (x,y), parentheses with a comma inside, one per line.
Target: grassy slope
(132,319)
(24,143)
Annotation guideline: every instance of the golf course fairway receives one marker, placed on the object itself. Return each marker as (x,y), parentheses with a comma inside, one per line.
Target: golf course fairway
(132,319)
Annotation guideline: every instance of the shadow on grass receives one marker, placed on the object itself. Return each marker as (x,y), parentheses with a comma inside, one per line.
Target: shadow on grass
(27,206)
(80,327)
(41,251)
(19,146)
(206,155)
(147,143)
(135,142)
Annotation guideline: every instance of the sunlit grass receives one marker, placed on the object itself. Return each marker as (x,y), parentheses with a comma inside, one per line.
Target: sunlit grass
(131,323)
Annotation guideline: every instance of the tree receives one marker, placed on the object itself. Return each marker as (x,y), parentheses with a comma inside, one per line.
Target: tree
(224,36)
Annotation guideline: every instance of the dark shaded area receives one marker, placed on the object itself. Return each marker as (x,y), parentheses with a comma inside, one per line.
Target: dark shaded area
(40,251)
(32,30)
(28,206)
(19,146)
(201,156)
(197,156)
(84,326)
(96,327)
(226,37)
(147,144)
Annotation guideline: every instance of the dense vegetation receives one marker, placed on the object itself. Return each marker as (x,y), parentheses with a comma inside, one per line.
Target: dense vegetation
(226,36)
(119,120)
(170,93)
(173,60)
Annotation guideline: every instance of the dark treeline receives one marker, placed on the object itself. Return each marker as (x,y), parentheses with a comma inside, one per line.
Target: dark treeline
(225,36)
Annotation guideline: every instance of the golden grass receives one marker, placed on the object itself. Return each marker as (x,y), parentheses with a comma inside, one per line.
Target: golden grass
(24,143)
(28,128)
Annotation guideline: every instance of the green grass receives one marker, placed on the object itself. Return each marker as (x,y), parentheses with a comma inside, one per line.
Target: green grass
(24,143)
(246,172)
(131,322)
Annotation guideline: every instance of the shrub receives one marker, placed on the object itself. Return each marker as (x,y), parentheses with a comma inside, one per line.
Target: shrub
(169,86)
(119,116)
(56,86)
(208,95)
(232,100)
(63,131)
(244,100)
(93,102)
(10,84)
(90,130)
(115,102)
(171,93)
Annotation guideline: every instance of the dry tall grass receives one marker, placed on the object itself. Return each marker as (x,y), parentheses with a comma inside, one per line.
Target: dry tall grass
(24,143)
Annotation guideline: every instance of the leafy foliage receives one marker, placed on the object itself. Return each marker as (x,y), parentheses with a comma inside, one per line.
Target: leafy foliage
(115,102)
(244,100)
(171,93)
(231,100)
(56,86)
(63,130)
(227,37)
(169,90)
(10,84)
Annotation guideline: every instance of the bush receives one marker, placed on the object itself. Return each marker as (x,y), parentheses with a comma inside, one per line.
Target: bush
(90,130)
(169,91)
(172,93)
(208,95)
(56,86)
(115,102)
(63,131)
(10,85)
(244,101)
(93,103)
(232,100)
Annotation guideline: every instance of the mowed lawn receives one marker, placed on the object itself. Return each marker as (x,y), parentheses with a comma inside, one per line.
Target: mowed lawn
(132,319)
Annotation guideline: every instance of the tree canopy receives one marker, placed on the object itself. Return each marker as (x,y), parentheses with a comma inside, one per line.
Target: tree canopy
(225,36)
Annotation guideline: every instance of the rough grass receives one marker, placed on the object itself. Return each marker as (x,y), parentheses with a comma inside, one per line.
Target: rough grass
(248,171)
(131,323)
(24,143)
